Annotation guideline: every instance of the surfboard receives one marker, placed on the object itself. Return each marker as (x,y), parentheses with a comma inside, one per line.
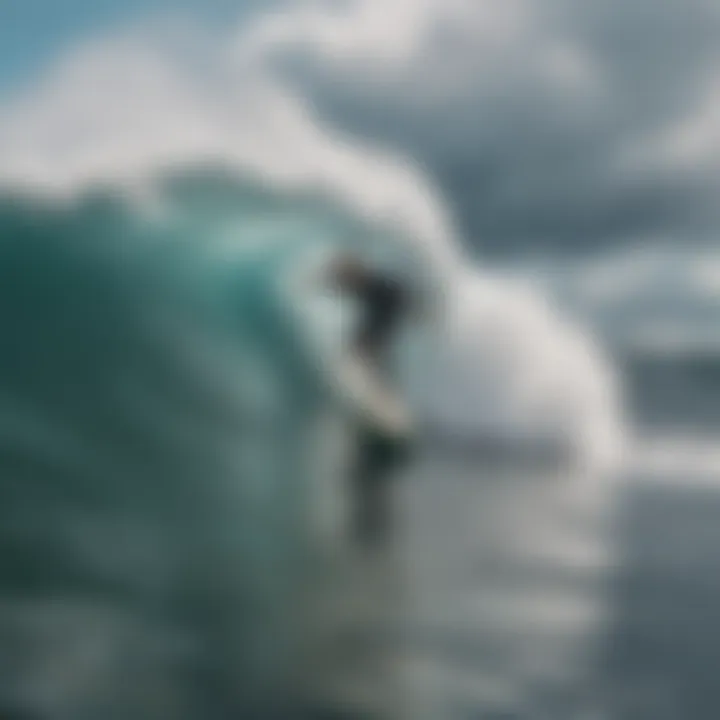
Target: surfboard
(372,400)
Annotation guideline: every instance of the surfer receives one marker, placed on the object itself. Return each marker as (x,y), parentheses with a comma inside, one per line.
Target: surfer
(382,432)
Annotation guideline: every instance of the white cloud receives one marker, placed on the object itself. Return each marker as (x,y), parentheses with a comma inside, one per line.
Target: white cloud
(425,51)
(570,118)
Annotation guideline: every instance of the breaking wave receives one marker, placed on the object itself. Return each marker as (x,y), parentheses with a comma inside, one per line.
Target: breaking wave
(159,396)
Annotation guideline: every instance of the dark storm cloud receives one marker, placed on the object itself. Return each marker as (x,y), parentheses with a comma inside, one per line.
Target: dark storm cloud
(545,124)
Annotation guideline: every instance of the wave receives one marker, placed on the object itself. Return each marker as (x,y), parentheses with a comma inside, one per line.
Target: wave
(122,109)
(148,382)
(151,212)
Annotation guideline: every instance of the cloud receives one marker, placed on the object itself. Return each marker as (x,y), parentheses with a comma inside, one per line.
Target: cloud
(658,298)
(536,117)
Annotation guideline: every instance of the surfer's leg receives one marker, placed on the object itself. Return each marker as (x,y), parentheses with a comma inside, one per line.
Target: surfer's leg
(377,460)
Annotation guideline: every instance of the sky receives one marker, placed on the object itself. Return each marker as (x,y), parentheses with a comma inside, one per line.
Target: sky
(33,33)
(546,124)
(551,123)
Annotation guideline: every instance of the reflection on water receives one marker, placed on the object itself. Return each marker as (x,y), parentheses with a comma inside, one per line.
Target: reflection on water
(662,658)
(508,568)
(525,595)
(491,603)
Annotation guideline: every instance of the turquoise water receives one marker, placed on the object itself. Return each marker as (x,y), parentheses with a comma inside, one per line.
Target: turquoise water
(172,521)
(156,445)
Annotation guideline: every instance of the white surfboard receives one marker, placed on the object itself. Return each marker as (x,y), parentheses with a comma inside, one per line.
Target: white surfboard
(372,399)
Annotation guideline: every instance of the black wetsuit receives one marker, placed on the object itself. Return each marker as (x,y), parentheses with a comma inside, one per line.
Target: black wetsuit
(383,304)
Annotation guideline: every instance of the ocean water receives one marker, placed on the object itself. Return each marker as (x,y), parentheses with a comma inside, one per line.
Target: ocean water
(174,525)
(158,410)
(173,454)
(170,546)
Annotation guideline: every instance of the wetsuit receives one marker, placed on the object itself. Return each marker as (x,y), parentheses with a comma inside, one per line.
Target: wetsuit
(383,304)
